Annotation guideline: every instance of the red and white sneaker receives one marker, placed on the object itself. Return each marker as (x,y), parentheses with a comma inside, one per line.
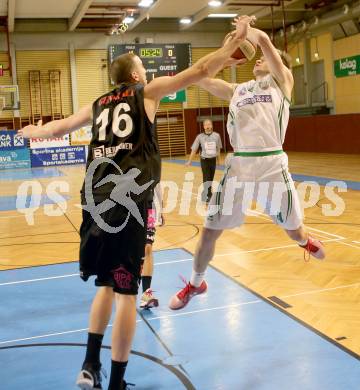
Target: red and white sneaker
(182,297)
(314,248)
(148,300)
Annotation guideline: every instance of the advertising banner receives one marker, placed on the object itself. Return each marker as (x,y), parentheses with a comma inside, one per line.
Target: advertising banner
(47,157)
(349,66)
(81,136)
(10,140)
(36,143)
(16,158)
(176,97)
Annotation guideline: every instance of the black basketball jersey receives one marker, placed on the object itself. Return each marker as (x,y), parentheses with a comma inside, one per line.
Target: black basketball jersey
(123,134)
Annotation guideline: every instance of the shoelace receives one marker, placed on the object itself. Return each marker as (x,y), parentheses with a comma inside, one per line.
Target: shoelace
(185,289)
(307,249)
(149,292)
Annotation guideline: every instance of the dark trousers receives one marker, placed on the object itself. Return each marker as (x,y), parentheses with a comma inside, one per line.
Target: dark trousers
(208,166)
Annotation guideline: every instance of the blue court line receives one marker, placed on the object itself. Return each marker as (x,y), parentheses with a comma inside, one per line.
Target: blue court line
(226,339)
(31,173)
(352,185)
(35,200)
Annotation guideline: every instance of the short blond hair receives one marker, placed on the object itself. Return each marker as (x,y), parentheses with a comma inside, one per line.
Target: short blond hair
(121,68)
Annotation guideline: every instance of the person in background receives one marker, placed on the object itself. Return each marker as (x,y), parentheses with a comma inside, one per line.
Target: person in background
(210,143)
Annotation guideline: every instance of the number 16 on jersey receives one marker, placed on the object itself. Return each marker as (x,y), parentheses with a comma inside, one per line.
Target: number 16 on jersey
(120,120)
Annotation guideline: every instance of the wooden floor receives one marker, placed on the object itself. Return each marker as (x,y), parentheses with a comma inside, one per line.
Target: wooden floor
(324,295)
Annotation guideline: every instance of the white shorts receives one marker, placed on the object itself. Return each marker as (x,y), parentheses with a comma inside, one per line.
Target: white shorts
(264,179)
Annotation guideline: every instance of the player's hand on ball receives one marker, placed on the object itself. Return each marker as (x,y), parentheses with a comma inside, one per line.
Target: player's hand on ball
(242,24)
(247,47)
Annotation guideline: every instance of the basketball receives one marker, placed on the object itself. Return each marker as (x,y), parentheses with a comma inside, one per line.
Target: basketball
(245,50)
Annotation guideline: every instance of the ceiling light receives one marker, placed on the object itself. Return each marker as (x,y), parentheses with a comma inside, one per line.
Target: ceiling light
(214,3)
(128,20)
(316,54)
(145,3)
(222,15)
(297,59)
(185,20)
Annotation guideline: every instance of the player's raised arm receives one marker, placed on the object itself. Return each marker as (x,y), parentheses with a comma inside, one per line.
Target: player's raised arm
(58,128)
(205,67)
(217,87)
(278,70)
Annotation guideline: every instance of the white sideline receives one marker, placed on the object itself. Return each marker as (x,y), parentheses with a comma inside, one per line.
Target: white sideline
(149,319)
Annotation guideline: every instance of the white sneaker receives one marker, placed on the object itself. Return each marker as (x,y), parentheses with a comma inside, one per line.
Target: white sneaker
(148,300)
(89,377)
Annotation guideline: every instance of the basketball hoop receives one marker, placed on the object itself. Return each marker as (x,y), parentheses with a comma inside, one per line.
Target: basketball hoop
(9,97)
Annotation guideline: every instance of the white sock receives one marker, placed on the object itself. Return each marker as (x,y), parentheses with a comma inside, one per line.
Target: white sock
(197,278)
(304,242)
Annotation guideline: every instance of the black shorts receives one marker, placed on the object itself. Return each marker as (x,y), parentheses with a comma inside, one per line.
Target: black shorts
(115,258)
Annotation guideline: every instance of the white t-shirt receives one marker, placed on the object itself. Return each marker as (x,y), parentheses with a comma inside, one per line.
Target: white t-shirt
(258,116)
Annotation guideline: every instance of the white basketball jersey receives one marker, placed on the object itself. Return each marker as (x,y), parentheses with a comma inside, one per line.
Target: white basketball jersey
(258,116)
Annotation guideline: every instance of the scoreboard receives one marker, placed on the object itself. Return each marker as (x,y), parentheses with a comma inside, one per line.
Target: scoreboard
(158,60)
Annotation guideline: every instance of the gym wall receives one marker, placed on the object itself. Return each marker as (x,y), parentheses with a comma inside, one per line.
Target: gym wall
(43,60)
(323,45)
(344,92)
(5,80)
(347,88)
(91,75)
